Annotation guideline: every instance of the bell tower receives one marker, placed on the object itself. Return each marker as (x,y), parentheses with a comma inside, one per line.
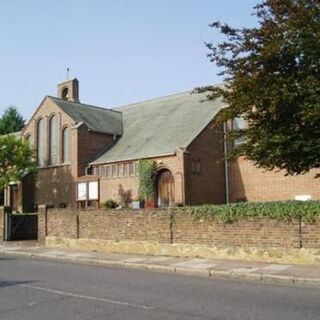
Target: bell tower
(69,90)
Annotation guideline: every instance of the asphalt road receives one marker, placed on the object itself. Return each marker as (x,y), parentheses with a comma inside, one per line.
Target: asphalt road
(45,290)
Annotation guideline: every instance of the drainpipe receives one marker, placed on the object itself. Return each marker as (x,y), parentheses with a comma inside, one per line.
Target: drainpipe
(86,169)
(226,169)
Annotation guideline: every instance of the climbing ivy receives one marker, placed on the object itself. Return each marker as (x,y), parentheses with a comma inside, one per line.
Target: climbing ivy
(308,211)
(147,176)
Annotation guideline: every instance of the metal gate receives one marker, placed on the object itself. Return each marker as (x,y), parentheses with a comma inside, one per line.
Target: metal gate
(21,227)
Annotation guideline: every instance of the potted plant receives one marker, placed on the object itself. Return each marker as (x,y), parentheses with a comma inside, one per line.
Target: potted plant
(137,203)
(147,177)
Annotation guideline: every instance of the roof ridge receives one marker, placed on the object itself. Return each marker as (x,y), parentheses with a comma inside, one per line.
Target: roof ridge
(152,99)
(83,104)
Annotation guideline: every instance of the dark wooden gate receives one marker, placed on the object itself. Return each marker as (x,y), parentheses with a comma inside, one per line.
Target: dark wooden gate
(165,189)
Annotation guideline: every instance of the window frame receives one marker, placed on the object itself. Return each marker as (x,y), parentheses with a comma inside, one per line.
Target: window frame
(53,134)
(64,159)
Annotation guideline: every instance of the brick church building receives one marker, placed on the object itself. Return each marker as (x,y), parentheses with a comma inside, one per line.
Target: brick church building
(86,154)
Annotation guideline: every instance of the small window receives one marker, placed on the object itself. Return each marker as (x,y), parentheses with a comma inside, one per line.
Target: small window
(131,169)
(119,170)
(114,171)
(96,171)
(107,172)
(195,166)
(237,125)
(103,171)
(125,169)
(198,166)
(136,168)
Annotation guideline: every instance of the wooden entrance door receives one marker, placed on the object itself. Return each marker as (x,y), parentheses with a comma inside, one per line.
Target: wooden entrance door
(165,189)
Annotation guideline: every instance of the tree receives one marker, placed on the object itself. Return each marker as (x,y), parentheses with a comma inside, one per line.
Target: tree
(272,79)
(16,159)
(11,121)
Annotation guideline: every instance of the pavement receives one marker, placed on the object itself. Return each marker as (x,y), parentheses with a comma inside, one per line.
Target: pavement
(198,267)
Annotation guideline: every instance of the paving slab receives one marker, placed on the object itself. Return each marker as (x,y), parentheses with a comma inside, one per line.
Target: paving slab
(276,267)
(244,270)
(214,268)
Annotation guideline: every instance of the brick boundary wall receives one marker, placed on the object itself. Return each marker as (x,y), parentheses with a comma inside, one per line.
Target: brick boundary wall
(163,227)
(123,226)
(2,216)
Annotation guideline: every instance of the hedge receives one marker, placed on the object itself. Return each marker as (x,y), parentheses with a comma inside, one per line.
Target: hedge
(307,211)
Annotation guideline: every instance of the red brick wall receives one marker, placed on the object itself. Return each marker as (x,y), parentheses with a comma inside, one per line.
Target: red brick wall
(208,185)
(137,226)
(161,227)
(109,188)
(254,232)
(54,186)
(253,184)
(311,235)
(90,145)
(62,224)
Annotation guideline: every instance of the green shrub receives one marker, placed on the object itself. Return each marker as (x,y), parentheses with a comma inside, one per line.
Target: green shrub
(308,211)
(147,177)
(110,204)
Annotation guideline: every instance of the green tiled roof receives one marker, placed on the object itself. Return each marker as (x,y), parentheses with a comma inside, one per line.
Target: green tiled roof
(95,118)
(157,127)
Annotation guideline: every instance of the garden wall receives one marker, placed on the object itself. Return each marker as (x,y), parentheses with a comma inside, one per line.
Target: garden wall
(164,232)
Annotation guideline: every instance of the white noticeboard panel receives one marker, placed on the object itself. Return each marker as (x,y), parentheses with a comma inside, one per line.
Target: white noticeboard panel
(93,190)
(82,191)
(303,197)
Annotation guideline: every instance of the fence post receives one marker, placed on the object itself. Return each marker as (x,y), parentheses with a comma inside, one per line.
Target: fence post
(42,223)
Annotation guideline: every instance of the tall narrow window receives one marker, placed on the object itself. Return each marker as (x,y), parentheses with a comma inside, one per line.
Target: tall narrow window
(239,124)
(66,145)
(41,142)
(53,138)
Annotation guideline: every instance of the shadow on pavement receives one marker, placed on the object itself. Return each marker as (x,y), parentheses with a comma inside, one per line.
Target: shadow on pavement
(5,284)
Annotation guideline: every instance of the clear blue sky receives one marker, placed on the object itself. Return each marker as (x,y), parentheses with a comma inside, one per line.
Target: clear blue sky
(122,51)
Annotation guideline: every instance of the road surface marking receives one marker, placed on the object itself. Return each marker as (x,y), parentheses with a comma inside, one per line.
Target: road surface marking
(81,296)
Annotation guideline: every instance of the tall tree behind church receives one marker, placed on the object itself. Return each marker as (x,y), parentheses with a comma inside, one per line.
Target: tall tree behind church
(11,121)
(272,80)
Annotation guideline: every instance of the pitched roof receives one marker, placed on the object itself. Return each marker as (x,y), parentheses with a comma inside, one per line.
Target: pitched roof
(157,127)
(95,118)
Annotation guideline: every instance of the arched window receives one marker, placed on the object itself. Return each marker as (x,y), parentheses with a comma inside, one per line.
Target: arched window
(53,140)
(65,94)
(29,140)
(41,142)
(66,145)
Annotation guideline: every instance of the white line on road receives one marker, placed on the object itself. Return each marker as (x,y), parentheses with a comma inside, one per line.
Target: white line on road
(81,296)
